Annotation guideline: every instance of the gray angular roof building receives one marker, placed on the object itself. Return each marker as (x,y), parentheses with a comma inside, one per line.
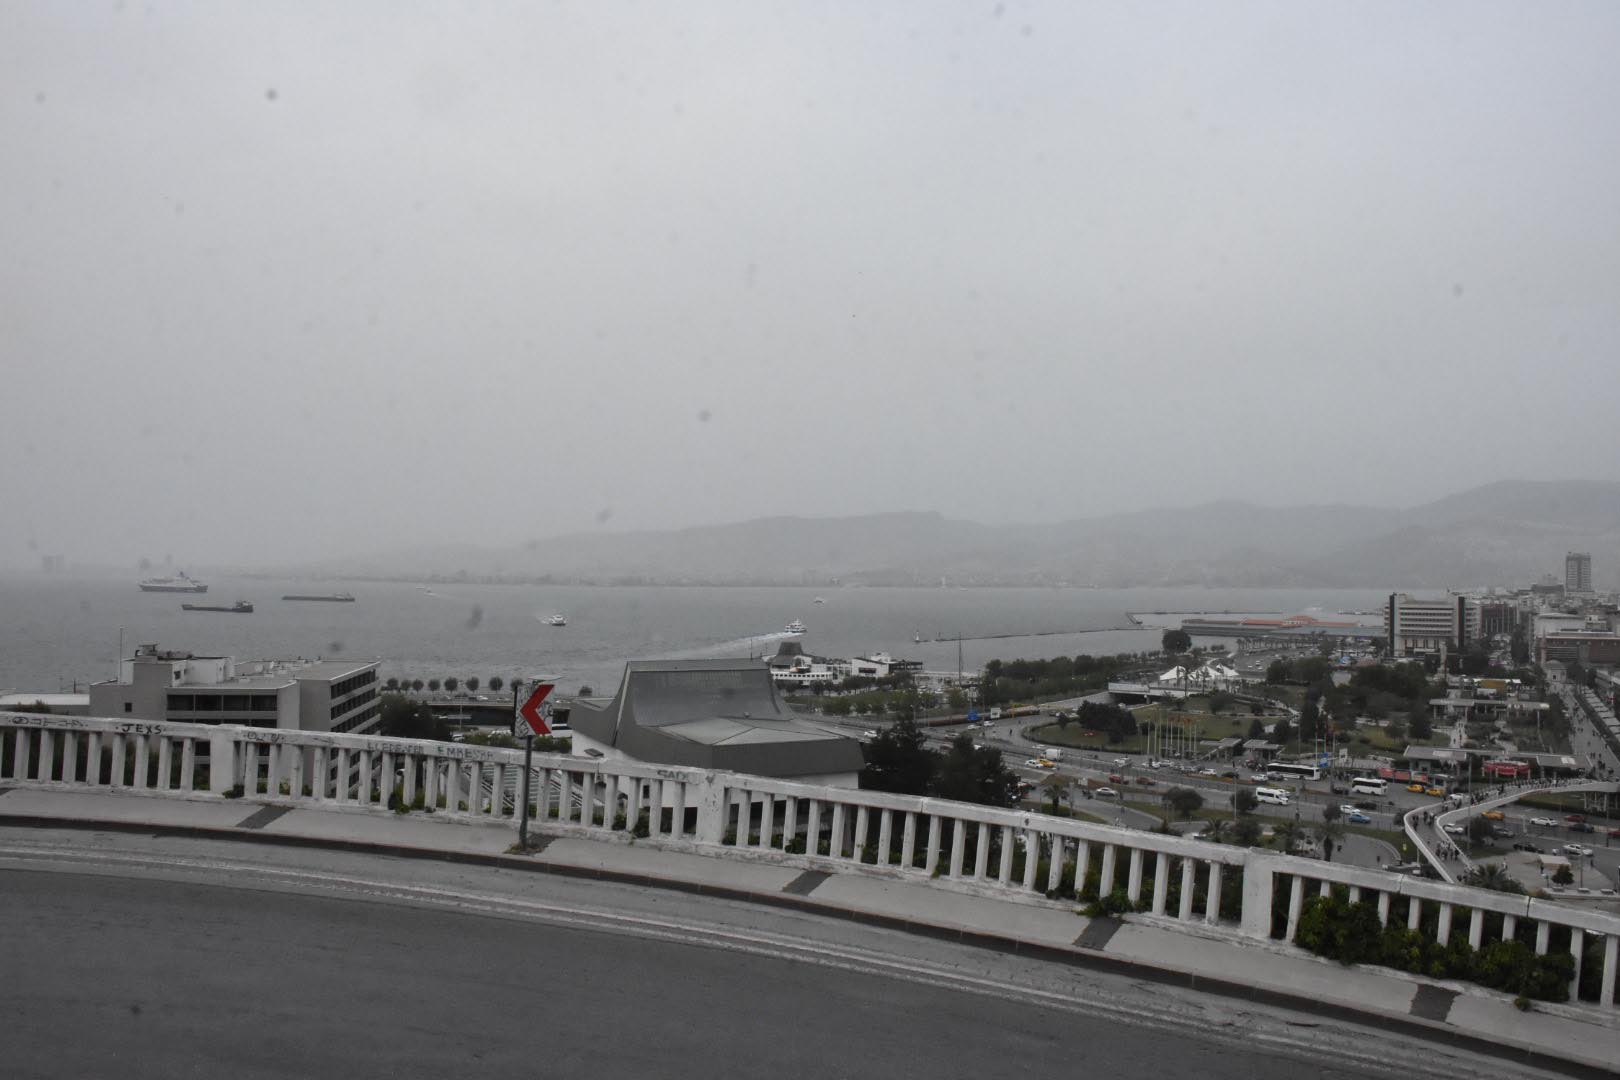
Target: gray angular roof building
(712,714)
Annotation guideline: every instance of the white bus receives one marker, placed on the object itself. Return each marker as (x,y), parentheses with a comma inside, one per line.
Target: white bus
(1369,785)
(1274,795)
(1282,770)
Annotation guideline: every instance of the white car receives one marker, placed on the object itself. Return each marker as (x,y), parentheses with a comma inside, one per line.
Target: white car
(1577,850)
(1454,829)
(1346,808)
(1207,772)
(1106,793)
(1547,821)
(868,734)
(1033,763)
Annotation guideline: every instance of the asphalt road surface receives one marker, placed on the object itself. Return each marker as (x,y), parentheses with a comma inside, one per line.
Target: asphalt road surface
(139,956)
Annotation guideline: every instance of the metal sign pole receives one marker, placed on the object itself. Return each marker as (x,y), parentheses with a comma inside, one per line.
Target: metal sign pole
(523,821)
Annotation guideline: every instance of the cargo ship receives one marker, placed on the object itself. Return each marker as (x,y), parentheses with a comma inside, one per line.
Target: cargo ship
(326,598)
(178,583)
(241,607)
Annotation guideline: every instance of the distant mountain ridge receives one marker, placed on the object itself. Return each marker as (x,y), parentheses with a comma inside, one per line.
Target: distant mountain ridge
(1511,532)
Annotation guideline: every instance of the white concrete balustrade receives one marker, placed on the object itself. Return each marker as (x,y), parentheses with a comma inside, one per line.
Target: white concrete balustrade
(1167,880)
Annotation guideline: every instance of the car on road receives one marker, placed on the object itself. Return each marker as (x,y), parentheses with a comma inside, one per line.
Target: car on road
(1575,819)
(1614,833)
(869,734)
(1437,792)
(1415,787)
(1525,845)
(1121,762)
(1501,831)
(1453,828)
(1546,822)
(1356,817)
(1346,809)
(1494,815)
(1577,849)
(1581,826)
(1041,763)
(1145,781)
(1106,793)
(1115,778)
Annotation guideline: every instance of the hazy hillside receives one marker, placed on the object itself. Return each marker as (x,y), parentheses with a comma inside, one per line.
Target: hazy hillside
(1509,532)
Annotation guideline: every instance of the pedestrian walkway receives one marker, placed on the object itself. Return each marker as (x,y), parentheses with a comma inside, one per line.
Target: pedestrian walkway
(1211,959)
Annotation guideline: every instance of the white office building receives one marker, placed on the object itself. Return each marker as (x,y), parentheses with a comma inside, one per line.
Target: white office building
(180,687)
(1414,626)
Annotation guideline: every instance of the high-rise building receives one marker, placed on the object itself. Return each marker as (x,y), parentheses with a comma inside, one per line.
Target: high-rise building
(1414,626)
(1578,572)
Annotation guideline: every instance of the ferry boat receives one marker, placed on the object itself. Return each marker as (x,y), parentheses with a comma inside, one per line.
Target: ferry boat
(178,583)
(821,600)
(241,607)
(556,620)
(794,627)
(328,598)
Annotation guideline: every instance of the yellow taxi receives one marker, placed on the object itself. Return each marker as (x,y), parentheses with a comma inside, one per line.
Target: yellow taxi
(1415,787)
(1494,815)
(1437,792)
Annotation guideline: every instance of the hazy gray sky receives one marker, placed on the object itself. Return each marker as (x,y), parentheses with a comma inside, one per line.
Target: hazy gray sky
(288,279)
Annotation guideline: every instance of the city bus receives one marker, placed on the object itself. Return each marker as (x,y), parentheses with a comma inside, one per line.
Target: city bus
(1369,785)
(1282,770)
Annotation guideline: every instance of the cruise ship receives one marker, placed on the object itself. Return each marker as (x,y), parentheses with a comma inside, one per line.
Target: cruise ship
(794,627)
(178,583)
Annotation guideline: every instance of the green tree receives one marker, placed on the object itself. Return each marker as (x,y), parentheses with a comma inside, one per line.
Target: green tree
(1220,701)
(1309,714)
(1184,801)
(1479,830)
(1175,641)
(1519,648)
(451,683)
(1057,789)
(495,684)
(1277,672)
(1246,832)
(1281,732)
(1257,728)
(976,776)
(416,684)
(586,691)
(433,685)
(1421,727)
(1289,837)
(472,684)
(898,760)
(1245,800)
(391,684)
(1492,876)
(401,718)
(1563,876)
(1331,831)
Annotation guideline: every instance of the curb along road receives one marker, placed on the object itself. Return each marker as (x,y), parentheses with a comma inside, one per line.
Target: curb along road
(1075,955)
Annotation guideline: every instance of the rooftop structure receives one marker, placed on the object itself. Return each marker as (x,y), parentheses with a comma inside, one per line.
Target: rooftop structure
(712,714)
(312,695)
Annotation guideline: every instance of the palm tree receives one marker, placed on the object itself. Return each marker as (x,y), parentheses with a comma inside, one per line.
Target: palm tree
(1330,833)
(1290,837)
(1493,876)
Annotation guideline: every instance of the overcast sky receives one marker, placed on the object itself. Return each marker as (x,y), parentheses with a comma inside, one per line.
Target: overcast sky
(283,280)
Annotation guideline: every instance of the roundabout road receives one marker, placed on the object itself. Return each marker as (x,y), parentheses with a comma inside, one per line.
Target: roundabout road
(138,956)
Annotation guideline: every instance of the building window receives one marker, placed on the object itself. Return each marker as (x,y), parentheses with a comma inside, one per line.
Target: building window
(129,706)
(180,702)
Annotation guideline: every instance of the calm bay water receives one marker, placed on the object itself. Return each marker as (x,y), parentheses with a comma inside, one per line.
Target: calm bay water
(54,631)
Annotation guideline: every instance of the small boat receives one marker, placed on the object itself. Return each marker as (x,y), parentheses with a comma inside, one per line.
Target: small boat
(556,620)
(178,583)
(794,627)
(821,600)
(241,607)
(328,598)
